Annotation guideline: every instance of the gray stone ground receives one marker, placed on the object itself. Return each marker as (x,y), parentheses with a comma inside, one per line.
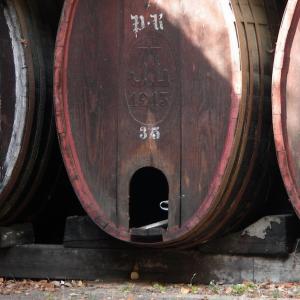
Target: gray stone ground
(78,290)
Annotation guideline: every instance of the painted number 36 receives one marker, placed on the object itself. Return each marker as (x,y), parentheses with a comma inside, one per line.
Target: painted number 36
(149,133)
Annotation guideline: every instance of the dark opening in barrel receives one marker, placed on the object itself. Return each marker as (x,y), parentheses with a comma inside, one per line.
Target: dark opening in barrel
(148,198)
(286,101)
(168,108)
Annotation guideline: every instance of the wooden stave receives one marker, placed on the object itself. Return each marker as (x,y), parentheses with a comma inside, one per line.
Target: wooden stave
(181,238)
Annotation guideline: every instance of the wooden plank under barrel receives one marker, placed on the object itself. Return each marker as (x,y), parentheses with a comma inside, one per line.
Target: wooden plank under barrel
(26,115)
(163,113)
(286,101)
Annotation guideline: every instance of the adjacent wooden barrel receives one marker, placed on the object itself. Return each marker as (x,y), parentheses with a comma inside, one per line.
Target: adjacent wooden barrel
(26,114)
(164,115)
(286,101)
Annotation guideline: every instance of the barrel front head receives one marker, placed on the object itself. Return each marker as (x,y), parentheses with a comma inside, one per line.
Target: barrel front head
(14,104)
(26,110)
(286,101)
(149,108)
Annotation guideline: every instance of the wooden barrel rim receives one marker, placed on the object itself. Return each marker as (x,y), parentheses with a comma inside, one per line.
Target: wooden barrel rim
(25,110)
(292,14)
(67,143)
(35,144)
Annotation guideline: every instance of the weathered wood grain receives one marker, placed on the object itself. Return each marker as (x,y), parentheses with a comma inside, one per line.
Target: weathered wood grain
(182,87)
(56,262)
(270,236)
(19,234)
(26,110)
(286,95)
(81,232)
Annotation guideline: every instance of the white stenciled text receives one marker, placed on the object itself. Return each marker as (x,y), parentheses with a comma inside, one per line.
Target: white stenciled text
(152,133)
(139,23)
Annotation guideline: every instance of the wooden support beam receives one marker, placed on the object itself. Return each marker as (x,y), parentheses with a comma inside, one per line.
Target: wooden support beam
(57,262)
(19,234)
(270,236)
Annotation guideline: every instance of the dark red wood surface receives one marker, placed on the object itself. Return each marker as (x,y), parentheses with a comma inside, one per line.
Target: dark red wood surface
(286,96)
(197,72)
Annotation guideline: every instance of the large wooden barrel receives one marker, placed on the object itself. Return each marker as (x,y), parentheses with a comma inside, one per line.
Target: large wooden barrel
(163,113)
(26,115)
(286,101)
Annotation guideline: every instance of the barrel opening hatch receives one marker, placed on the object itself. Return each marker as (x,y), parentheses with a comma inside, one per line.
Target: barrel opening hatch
(148,204)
